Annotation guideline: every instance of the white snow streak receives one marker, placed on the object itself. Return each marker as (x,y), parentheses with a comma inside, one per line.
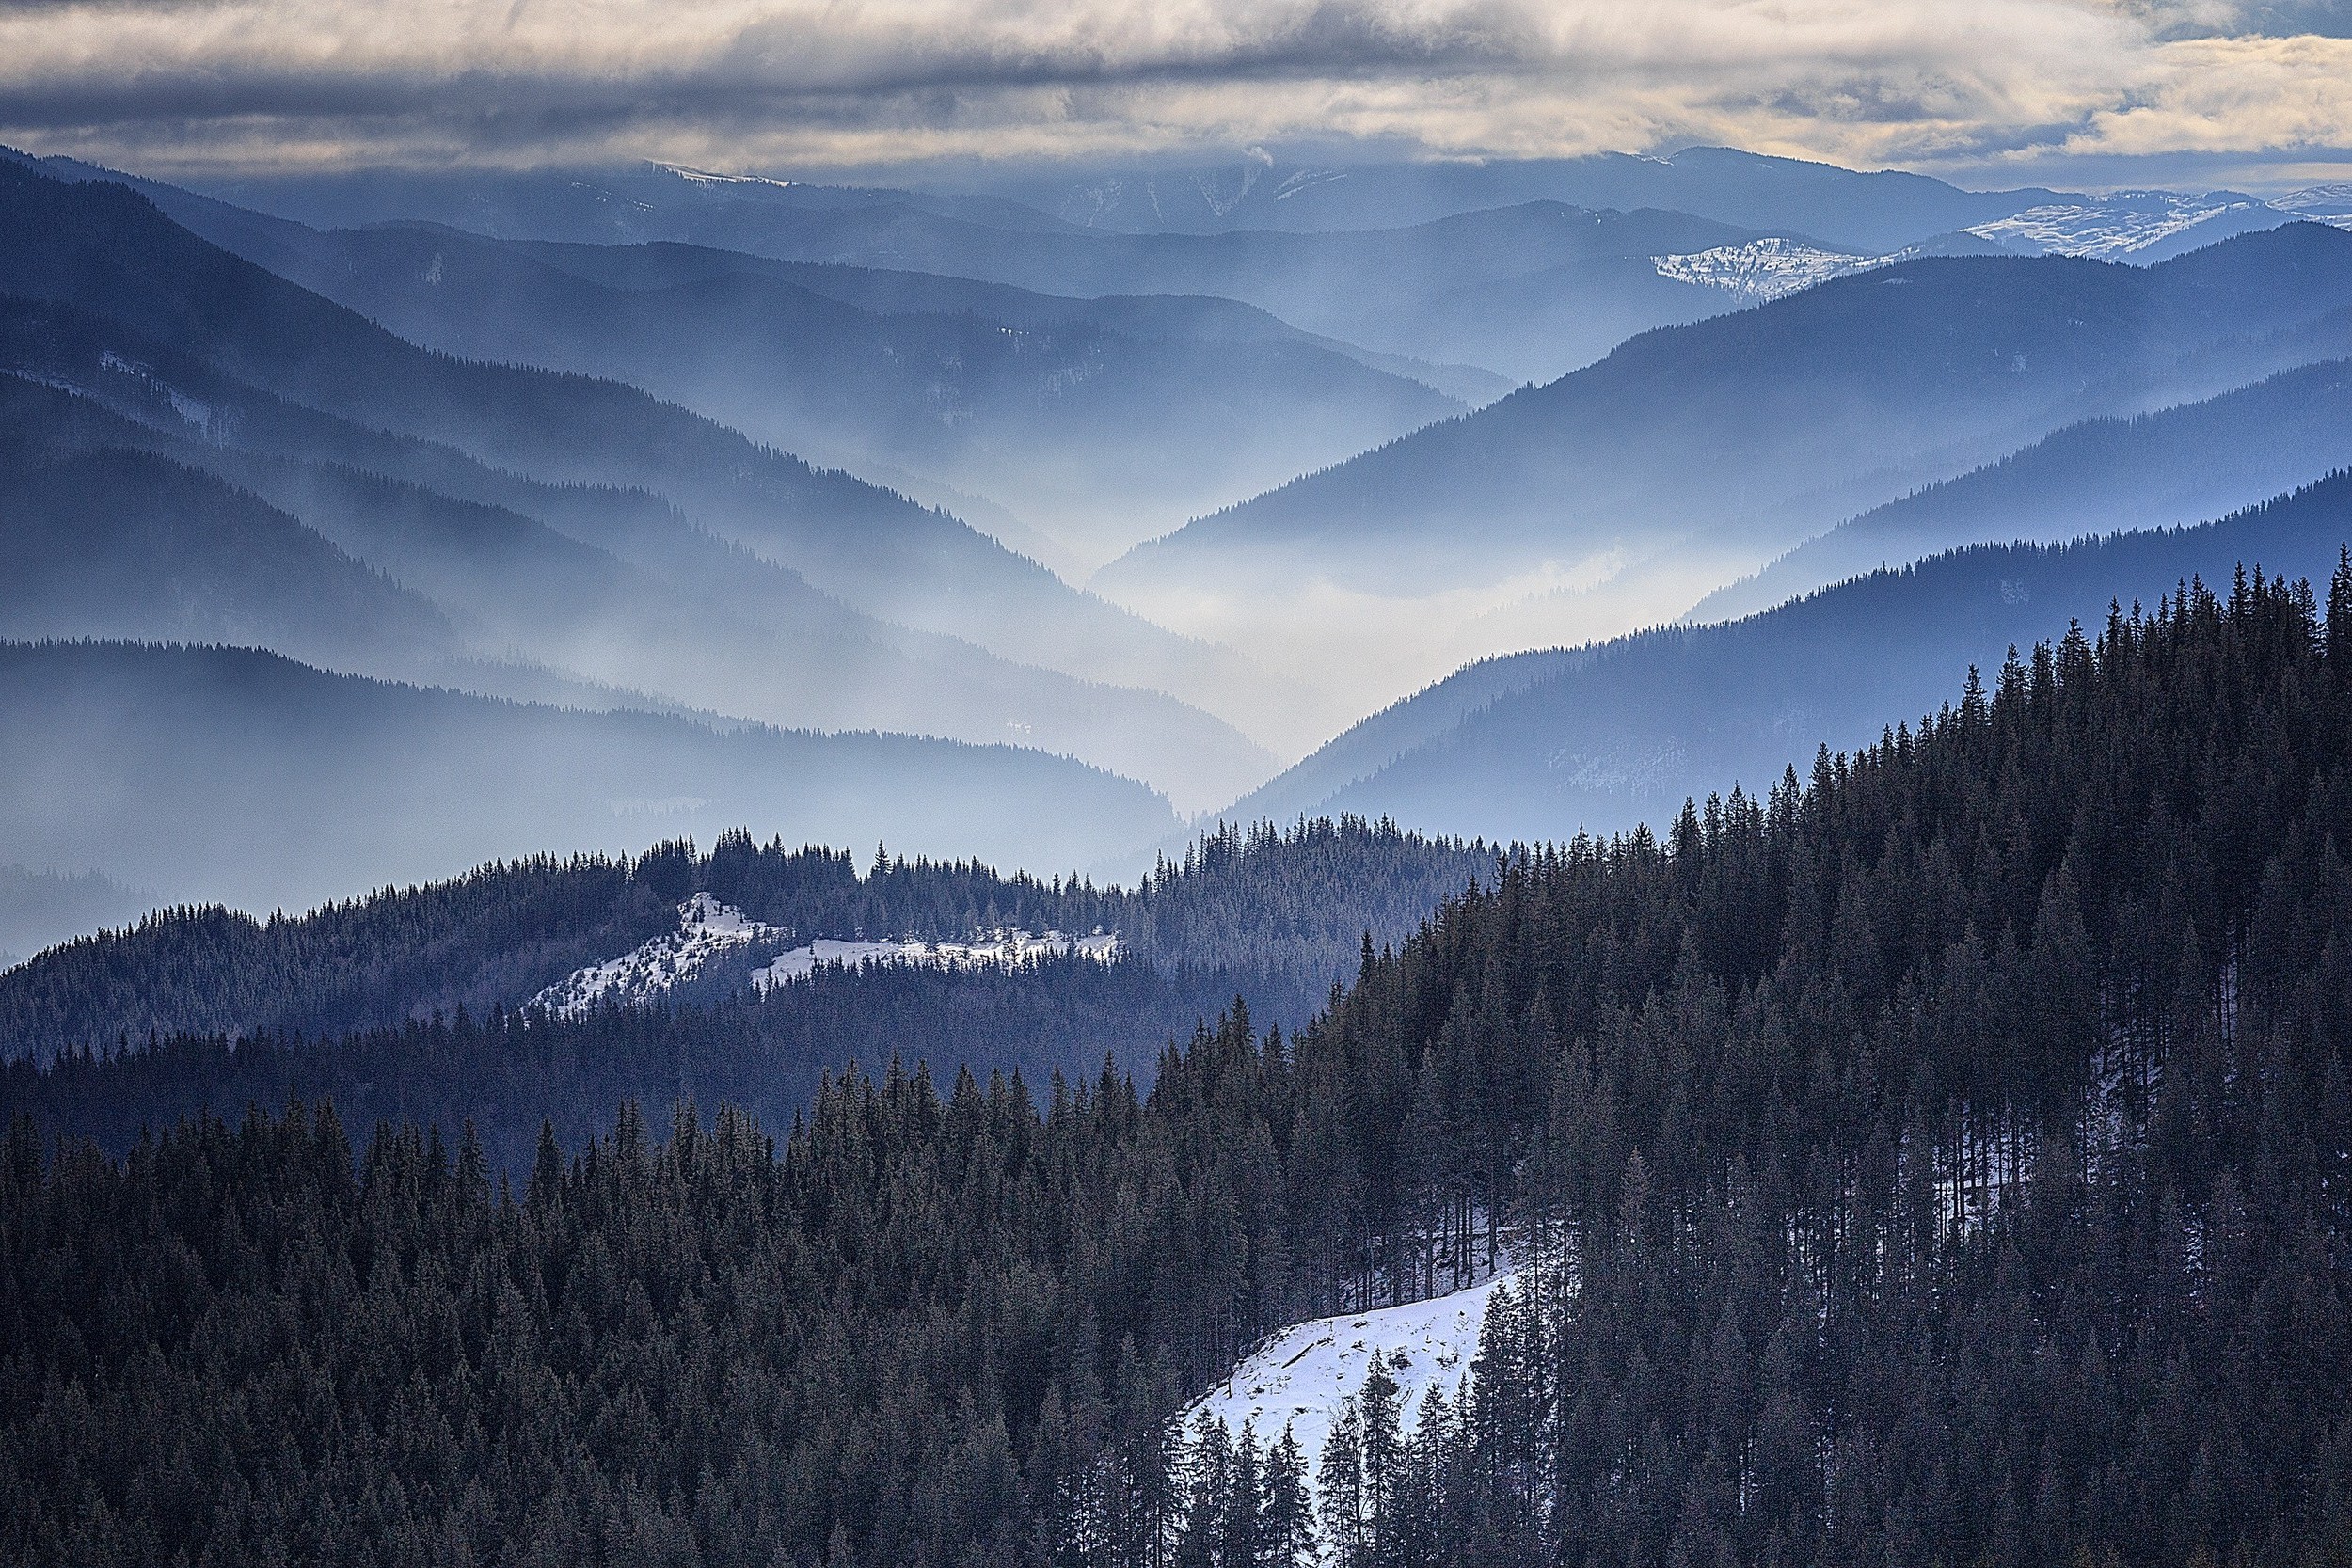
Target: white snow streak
(1004,947)
(2110,228)
(707,927)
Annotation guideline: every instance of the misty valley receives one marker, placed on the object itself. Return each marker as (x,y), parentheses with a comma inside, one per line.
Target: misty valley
(1306,861)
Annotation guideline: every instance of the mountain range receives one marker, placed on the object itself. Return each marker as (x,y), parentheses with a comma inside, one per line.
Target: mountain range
(1188,403)
(772,459)
(1605,738)
(1625,492)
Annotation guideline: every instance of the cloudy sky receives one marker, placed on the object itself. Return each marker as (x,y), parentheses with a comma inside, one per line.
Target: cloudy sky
(1981,88)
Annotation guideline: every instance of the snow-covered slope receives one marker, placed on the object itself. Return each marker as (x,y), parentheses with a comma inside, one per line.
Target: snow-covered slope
(2136,226)
(1006,946)
(1759,270)
(706,928)
(2331,204)
(1298,1379)
(2118,224)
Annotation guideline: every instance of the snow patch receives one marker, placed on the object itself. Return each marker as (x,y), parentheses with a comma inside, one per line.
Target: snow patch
(2110,228)
(706,928)
(1002,948)
(2329,204)
(1759,270)
(703,177)
(1298,1380)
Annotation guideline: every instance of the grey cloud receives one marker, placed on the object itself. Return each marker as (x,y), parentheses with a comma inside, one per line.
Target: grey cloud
(253,82)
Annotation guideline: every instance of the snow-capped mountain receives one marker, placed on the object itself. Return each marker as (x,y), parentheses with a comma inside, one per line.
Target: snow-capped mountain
(1759,270)
(2125,223)
(2136,226)
(2331,204)
(1298,1380)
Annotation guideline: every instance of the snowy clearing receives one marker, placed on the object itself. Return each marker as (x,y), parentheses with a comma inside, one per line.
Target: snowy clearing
(1002,947)
(1298,1379)
(705,929)
(708,928)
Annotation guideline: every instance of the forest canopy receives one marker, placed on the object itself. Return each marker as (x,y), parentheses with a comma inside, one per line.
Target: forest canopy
(1945,1156)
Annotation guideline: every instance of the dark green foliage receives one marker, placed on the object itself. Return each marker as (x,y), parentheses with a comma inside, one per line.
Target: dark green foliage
(1275,915)
(766,1057)
(1942,1161)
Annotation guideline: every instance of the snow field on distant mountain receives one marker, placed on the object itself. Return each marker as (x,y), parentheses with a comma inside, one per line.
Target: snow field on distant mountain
(708,928)
(1759,270)
(1298,1379)
(2113,228)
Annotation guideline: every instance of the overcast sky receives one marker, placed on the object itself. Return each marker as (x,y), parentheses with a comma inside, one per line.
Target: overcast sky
(1990,90)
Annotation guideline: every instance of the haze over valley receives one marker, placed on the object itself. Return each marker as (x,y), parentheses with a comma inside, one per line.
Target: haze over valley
(1006,464)
(1457,785)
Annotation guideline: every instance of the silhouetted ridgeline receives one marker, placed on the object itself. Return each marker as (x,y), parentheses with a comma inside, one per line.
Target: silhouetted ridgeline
(1943,1160)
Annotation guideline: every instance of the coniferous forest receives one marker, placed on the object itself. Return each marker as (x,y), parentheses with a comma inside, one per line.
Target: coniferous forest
(1944,1158)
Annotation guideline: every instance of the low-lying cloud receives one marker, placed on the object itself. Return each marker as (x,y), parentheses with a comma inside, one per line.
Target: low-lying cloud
(223,84)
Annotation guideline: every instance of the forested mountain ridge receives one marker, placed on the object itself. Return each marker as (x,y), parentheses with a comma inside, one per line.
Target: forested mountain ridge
(1613,733)
(104,540)
(2157,470)
(1928,354)
(615,589)
(1940,1157)
(1292,904)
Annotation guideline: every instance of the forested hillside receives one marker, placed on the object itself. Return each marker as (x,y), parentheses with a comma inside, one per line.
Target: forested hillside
(1940,1159)
(1274,917)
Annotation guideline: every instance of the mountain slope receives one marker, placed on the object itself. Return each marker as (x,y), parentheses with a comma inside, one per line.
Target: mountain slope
(1602,738)
(239,776)
(99,539)
(1942,1160)
(1694,454)
(1280,916)
(626,596)
(1102,437)
(1391,272)
(100,248)
(2150,471)
(1872,213)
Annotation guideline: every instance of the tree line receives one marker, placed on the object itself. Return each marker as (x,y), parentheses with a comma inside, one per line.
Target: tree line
(1279,909)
